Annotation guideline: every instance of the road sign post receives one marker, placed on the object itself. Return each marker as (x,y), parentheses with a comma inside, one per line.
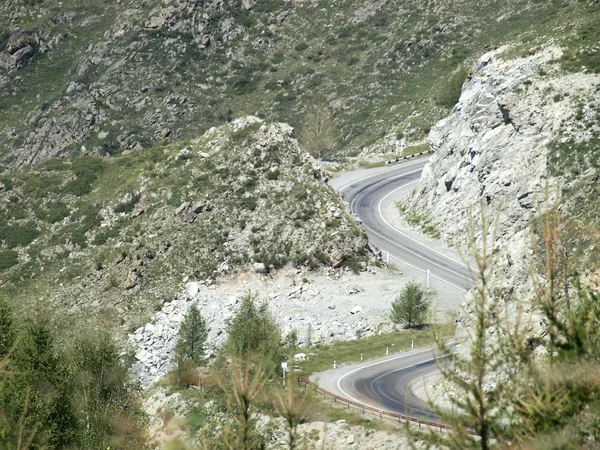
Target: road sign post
(284,367)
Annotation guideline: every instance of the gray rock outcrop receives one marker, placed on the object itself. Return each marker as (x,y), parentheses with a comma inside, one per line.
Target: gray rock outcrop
(493,152)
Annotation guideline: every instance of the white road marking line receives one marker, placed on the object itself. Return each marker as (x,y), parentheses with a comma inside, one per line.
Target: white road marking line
(379,173)
(404,248)
(404,355)
(409,237)
(412,265)
(384,181)
(416,254)
(382,362)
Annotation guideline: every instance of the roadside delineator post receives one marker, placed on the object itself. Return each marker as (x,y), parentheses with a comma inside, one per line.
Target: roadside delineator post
(412,344)
(361,356)
(334,364)
(387,351)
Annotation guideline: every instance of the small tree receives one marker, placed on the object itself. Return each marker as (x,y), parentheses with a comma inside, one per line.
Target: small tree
(192,337)
(253,331)
(319,135)
(411,306)
(7,328)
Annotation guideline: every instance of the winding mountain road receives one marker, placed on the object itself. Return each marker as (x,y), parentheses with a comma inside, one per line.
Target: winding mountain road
(375,191)
(385,383)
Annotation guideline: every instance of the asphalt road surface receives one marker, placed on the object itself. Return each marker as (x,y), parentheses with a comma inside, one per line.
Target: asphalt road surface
(368,196)
(385,383)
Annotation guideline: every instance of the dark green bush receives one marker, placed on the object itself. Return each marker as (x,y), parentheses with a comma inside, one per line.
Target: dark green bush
(88,218)
(101,238)
(87,170)
(301,46)
(249,203)
(253,331)
(8,258)
(452,90)
(53,212)
(18,235)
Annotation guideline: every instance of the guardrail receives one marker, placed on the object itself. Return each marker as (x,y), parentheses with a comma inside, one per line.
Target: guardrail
(402,158)
(382,414)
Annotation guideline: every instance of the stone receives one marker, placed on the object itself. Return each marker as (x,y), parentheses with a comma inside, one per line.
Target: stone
(133,279)
(356,310)
(184,206)
(350,439)
(259,267)
(300,357)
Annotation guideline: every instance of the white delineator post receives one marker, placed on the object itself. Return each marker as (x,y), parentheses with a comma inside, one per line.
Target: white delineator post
(284,367)
(334,365)
(428,278)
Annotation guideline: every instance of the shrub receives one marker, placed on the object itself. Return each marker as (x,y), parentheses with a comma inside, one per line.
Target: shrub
(127,206)
(87,170)
(18,235)
(250,203)
(253,331)
(8,258)
(301,46)
(452,90)
(319,134)
(411,306)
(54,212)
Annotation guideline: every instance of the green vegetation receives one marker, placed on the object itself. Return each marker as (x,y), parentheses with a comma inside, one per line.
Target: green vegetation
(419,221)
(8,258)
(86,170)
(322,357)
(127,206)
(412,306)
(319,135)
(451,93)
(76,397)
(254,332)
(388,59)
(18,235)
(550,402)
(192,337)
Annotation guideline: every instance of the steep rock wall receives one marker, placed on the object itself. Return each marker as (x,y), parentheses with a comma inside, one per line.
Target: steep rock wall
(494,151)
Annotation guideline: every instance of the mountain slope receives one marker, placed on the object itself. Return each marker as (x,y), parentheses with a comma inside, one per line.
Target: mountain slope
(104,77)
(112,239)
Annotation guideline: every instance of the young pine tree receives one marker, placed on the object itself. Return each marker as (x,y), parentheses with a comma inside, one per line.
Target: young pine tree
(254,332)
(411,306)
(193,334)
(7,328)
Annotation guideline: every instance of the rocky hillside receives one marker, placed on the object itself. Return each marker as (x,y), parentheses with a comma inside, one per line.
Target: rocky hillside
(102,78)
(109,240)
(522,139)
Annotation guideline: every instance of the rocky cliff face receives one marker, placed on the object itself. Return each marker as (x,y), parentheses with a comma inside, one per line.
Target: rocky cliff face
(498,150)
